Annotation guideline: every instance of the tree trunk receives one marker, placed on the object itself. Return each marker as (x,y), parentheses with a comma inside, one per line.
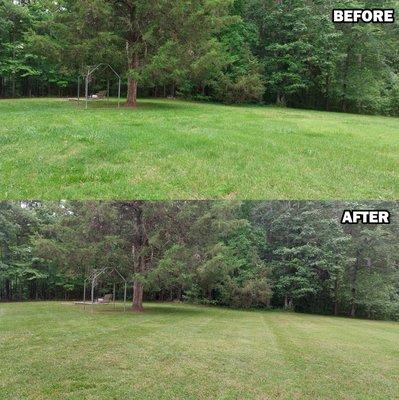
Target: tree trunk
(281,99)
(13,78)
(344,104)
(7,290)
(352,312)
(13,86)
(140,264)
(179,293)
(138,297)
(132,83)
(336,309)
(327,93)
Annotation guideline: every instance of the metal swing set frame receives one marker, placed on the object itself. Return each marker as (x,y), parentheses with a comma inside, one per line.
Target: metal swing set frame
(87,76)
(92,279)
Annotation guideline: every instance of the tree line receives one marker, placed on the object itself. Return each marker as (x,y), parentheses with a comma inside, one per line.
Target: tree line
(285,52)
(291,255)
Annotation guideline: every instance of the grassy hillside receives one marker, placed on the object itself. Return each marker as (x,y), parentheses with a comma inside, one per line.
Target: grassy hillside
(49,149)
(58,351)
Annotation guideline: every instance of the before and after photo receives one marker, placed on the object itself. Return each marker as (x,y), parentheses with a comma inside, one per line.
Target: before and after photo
(199,199)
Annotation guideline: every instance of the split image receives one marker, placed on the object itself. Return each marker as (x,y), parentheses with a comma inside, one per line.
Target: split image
(199,199)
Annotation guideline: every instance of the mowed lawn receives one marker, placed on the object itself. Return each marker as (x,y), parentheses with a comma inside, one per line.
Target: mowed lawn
(50,149)
(59,351)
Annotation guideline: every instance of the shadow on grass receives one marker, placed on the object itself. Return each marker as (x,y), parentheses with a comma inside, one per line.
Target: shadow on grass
(150,309)
(162,104)
(173,309)
(143,104)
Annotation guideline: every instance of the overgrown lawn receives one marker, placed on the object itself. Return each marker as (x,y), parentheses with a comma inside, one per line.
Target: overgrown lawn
(50,149)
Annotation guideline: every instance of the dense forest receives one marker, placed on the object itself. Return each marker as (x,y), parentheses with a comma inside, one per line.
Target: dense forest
(292,255)
(285,52)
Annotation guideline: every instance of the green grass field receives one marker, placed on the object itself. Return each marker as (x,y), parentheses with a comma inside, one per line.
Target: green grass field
(50,149)
(59,351)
